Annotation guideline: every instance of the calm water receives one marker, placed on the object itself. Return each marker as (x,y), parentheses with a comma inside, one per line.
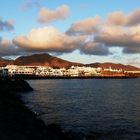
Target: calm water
(108,106)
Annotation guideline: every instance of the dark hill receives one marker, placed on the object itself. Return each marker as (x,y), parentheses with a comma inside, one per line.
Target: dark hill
(43,60)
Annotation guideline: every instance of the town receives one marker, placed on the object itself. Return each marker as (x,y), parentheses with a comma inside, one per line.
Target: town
(72,72)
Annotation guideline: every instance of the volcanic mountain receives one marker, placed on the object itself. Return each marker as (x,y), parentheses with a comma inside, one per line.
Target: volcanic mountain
(43,60)
(55,62)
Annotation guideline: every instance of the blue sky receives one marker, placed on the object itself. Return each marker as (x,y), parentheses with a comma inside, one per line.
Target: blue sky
(23,20)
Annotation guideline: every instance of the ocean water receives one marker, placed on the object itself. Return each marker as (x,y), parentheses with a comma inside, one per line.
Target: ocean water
(108,107)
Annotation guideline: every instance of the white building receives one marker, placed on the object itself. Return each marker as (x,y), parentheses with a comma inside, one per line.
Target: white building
(73,71)
(20,70)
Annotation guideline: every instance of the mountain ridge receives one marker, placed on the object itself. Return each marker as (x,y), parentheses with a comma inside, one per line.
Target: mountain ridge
(114,66)
(45,59)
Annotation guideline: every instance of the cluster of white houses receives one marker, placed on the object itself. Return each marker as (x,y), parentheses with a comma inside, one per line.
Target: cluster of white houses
(43,71)
(73,71)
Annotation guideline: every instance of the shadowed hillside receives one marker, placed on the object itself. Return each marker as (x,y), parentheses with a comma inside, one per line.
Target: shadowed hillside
(43,60)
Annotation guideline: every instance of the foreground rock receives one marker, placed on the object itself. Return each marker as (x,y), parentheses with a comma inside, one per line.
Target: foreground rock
(14,85)
(17,122)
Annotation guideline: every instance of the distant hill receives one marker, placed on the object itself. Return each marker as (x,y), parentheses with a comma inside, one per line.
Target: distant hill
(114,66)
(4,62)
(43,60)
(55,62)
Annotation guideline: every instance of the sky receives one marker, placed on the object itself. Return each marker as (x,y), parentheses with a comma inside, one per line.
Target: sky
(85,31)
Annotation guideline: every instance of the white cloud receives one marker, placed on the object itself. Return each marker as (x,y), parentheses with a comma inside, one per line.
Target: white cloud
(52,40)
(86,26)
(119,18)
(46,15)
(48,39)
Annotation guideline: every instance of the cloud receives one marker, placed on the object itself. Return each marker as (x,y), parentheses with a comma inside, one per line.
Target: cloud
(7,48)
(119,18)
(118,40)
(127,39)
(118,30)
(92,36)
(131,50)
(47,15)
(6,25)
(133,18)
(86,26)
(29,4)
(93,48)
(48,39)
(52,40)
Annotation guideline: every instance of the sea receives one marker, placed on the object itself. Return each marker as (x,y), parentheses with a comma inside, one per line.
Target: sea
(107,107)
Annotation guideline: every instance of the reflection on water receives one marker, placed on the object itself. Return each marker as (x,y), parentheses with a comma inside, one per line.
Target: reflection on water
(108,106)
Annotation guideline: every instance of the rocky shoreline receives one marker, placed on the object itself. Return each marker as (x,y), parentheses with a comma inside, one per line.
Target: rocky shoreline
(17,122)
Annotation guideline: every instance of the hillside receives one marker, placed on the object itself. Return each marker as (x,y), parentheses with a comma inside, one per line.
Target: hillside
(4,62)
(114,66)
(43,60)
(55,62)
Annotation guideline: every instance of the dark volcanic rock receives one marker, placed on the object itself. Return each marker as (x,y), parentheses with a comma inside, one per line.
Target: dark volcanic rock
(14,85)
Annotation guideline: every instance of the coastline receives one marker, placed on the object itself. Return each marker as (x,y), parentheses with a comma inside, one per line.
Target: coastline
(20,123)
(27,77)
